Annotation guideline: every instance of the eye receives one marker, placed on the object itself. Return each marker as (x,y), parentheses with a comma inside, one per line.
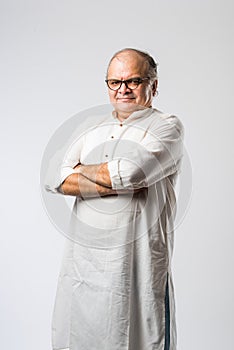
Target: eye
(134,81)
(114,82)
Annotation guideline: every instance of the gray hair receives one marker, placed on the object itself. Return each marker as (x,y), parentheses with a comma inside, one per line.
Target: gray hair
(152,72)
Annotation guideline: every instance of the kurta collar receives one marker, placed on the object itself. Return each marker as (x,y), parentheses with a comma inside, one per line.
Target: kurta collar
(135,115)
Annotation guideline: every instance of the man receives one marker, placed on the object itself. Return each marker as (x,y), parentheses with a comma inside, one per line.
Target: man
(115,290)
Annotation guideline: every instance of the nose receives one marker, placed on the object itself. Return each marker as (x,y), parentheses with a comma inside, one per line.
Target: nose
(124,88)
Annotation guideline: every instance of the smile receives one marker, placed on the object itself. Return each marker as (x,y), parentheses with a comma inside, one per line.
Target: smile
(126,99)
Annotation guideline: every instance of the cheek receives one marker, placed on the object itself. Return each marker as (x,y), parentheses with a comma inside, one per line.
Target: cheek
(143,95)
(112,95)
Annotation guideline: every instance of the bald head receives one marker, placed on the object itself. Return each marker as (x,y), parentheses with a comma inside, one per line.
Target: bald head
(140,57)
(127,62)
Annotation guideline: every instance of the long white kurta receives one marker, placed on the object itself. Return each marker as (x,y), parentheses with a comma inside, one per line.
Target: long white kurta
(111,289)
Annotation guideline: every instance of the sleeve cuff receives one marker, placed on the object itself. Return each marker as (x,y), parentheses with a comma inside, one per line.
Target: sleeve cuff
(116,181)
(53,184)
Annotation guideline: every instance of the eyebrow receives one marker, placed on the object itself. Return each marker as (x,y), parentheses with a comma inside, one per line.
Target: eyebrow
(135,77)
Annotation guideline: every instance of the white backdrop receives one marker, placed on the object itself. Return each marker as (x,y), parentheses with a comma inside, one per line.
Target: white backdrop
(54,56)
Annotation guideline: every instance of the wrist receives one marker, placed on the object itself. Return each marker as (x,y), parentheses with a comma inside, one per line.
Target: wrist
(78,168)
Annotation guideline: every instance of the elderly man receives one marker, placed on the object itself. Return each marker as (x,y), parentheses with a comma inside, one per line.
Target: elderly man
(115,289)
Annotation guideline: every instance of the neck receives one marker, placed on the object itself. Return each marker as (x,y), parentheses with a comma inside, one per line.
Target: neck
(123,115)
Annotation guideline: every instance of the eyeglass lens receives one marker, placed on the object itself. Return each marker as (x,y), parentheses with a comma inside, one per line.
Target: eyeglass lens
(132,84)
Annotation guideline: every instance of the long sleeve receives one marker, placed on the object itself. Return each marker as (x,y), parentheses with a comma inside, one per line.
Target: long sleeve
(157,156)
(62,164)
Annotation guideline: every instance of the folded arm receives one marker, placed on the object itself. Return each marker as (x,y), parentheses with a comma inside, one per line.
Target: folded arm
(97,173)
(79,185)
(90,181)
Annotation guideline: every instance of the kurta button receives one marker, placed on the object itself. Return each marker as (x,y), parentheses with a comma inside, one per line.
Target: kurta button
(112,137)
(121,124)
(106,155)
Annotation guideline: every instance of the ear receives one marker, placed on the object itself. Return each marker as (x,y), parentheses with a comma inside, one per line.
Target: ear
(154,87)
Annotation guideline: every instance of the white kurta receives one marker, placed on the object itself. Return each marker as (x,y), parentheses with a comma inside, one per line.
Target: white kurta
(111,290)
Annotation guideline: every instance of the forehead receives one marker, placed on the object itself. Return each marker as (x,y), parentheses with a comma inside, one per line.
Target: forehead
(127,65)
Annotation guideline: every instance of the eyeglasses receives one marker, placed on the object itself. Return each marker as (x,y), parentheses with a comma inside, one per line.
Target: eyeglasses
(132,84)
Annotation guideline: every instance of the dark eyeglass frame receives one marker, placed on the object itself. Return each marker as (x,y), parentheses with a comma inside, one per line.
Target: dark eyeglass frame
(126,82)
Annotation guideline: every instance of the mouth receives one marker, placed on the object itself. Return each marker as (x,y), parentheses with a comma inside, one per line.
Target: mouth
(125,99)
